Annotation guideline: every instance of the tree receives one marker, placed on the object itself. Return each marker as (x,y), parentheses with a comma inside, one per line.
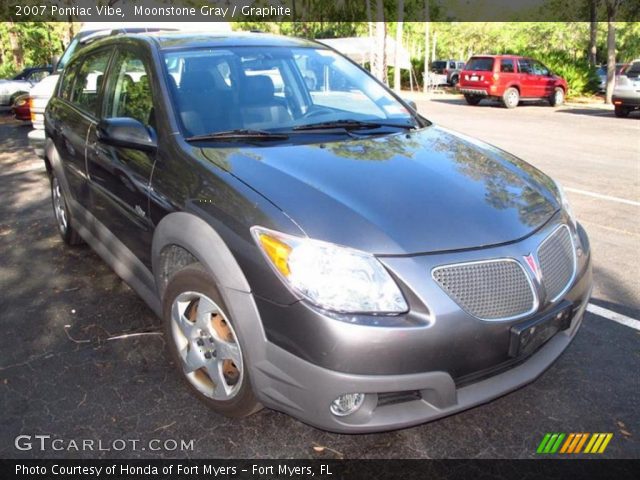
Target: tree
(593,31)
(380,69)
(612,10)
(427,24)
(399,25)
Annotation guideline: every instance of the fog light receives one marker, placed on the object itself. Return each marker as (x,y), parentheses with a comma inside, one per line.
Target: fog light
(347,404)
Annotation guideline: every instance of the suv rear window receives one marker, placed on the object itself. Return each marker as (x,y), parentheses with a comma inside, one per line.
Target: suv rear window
(481,64)
(506,65)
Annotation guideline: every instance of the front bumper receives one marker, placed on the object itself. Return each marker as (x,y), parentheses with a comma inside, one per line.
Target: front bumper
(37,141)
(410,373)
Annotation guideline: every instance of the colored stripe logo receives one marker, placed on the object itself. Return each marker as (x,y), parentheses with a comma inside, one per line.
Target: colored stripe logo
(574,443)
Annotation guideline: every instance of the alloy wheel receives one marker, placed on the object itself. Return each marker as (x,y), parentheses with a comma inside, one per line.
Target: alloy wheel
(207,345)
(59,206)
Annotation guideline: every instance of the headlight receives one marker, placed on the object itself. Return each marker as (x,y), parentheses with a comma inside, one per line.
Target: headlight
(565,203)
(331,277)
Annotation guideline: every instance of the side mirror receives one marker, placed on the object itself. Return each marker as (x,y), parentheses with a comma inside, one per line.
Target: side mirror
(126,132)
(411,103)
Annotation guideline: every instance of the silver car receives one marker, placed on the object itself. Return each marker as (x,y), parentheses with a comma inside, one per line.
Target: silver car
(626,95)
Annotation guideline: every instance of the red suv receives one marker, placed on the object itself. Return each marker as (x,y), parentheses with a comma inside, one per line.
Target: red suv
(510,78)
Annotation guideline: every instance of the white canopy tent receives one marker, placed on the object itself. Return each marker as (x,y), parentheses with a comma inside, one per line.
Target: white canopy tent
(360,50)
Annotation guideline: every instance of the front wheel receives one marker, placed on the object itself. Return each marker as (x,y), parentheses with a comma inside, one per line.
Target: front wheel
(472,99)
(511,98)
(454,80)
(557,98)
(621,111)
(204,343)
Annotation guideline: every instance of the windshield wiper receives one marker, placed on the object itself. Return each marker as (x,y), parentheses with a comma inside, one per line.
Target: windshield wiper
(352,125)
(239,134)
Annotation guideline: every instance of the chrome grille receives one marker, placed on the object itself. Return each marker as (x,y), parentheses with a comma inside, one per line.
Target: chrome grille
(556,256)
(490,290)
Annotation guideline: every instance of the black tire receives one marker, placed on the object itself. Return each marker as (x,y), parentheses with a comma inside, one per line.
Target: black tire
(621,111)
(511,97)
(454,80)
(557,99)
(194,278)
(472,99)
(62,214)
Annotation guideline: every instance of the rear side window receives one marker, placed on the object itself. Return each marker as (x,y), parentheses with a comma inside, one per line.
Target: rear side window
(524,66)
(481,64)
(82,81)
(506,65)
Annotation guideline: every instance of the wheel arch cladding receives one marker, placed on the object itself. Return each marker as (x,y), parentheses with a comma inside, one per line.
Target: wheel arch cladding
(182,237)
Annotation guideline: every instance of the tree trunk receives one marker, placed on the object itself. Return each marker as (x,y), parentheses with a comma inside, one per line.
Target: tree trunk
(381,37)
(612,9)
(371,50)
(16,47)
(427,24)
(593,32)
(396,68)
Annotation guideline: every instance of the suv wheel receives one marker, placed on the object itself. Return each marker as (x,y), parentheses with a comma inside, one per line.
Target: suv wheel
(61,211)
(511,97)
(204,344)
(454,80)
(621,111)
(472,99)
(557,98)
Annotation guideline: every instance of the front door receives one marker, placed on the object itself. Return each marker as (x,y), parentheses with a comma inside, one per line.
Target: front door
(119,177)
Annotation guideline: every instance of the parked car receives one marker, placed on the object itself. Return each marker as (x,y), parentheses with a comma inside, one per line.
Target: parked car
(510,79)
(602,75)
(89,32)
(449,69)
(626,94)
(21,83)
(22,108)
(356,267)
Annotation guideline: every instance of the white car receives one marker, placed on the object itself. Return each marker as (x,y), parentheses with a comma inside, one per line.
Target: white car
(22,83)
(626,94)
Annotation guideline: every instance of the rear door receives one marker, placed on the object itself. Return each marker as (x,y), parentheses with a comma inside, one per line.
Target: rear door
(528,81)
(71,114)
(120,176)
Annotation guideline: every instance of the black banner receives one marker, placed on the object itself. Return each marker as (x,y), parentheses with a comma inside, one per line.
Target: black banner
(319,469)
(310,10)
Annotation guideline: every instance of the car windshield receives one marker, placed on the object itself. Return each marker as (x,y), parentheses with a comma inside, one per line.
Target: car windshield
(276,89)
(480,64)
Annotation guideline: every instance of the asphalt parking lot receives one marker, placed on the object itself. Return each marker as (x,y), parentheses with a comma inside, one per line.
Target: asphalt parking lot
(81,356)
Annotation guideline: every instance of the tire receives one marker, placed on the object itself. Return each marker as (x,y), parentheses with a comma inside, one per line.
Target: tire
(621,111)
(511,97)
(454,81)
(62,215)
(472,99)
(557,99)
(204,345)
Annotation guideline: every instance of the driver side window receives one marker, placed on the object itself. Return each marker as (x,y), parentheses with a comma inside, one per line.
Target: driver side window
(130,91)
(540,69)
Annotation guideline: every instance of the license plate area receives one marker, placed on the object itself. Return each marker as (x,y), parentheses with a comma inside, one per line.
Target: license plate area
(528,336)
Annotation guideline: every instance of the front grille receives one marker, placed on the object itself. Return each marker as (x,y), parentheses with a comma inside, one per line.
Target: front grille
(556,256)
(490,290)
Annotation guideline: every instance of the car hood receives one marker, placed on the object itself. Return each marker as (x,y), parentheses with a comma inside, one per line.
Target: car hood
(426,191)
